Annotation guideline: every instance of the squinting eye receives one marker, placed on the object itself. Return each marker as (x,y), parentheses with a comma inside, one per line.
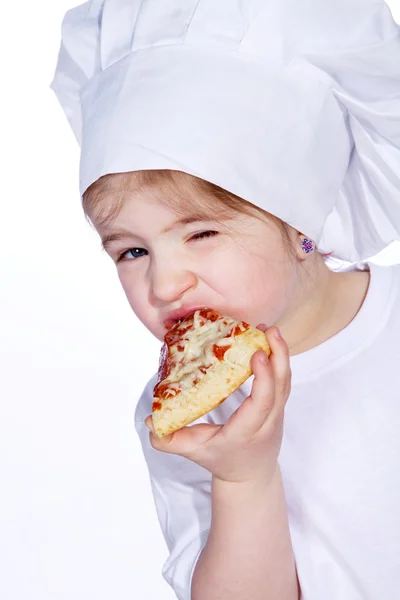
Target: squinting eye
(203,234)
(139,252)
(136,252)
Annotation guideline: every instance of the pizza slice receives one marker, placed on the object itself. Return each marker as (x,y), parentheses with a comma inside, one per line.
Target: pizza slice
(204,359)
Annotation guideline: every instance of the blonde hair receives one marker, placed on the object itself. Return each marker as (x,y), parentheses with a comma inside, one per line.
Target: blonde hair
(104,198)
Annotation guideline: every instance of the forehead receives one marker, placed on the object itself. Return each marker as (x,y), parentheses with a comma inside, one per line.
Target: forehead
(181,194)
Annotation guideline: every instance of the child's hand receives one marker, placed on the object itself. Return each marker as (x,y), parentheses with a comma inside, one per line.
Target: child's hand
(246,447)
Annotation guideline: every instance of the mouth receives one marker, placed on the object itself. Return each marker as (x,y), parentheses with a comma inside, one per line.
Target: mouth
(180,315)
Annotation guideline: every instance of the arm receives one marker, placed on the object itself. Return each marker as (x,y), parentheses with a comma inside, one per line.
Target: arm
(248,553)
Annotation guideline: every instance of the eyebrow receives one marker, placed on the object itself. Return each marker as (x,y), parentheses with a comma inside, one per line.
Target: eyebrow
(125,234)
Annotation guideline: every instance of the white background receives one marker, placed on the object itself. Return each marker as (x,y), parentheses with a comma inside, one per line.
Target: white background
(77,519)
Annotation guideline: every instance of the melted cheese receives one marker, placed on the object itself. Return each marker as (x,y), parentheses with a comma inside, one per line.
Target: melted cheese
(197,344)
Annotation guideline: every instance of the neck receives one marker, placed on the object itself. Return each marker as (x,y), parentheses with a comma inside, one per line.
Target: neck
(325,304)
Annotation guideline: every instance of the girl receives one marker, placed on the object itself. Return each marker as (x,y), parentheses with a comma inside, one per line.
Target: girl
(226,150)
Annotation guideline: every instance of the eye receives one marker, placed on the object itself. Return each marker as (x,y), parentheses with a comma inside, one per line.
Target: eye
(136,253)
(203,234)
(139,252)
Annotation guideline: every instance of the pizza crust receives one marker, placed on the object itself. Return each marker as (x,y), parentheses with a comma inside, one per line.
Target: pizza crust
(219,382)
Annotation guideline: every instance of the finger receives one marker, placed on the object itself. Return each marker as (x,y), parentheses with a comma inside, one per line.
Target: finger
(254,411)
(154,439)
(280,362)
(262,327)
(185,441)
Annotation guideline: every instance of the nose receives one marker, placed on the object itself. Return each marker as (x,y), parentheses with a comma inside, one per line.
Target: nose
(169,283)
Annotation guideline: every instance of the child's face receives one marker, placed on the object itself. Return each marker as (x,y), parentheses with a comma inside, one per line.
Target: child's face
(243,270)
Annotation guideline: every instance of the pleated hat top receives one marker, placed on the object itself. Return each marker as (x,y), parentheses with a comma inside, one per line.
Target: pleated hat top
(293,105)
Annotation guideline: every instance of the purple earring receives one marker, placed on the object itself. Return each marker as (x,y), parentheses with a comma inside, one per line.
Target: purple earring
(307,245)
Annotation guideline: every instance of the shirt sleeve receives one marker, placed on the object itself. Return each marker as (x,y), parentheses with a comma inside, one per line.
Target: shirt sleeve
(182,495)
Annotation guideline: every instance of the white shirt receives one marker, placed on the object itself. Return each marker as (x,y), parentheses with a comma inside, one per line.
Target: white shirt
(340,461)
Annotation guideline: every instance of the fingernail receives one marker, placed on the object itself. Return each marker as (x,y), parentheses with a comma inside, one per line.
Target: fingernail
(278,334)
(264,358)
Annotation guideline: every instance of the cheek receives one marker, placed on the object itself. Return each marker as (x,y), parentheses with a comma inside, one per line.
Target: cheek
(262,288)
(134,292)
(277,292)
(137,295)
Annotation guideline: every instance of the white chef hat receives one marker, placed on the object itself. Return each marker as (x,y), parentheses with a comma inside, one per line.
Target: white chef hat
(293,105)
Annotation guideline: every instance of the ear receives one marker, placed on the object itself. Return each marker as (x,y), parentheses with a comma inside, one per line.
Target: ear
(305,247)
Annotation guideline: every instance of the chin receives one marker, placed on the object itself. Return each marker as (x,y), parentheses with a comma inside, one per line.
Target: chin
(158,331)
